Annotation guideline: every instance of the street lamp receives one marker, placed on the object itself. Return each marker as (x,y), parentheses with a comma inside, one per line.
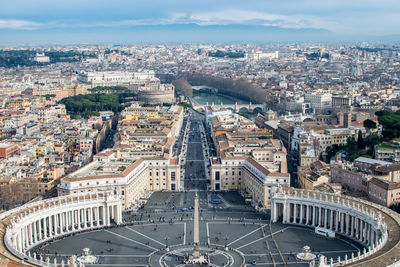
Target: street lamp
(226,242)
(166,243)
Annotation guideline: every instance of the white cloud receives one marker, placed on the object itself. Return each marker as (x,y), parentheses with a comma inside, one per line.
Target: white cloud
(237,16)
(18,24)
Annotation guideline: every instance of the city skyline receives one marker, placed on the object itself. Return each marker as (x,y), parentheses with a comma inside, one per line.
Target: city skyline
(75,22)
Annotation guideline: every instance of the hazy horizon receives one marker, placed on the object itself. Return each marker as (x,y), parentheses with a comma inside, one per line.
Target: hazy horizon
(45,22)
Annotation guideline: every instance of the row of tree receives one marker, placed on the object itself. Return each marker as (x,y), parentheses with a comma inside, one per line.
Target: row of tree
(183,87)
(240,88)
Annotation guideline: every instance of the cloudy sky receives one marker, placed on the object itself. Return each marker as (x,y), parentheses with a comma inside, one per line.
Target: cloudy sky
(122,21)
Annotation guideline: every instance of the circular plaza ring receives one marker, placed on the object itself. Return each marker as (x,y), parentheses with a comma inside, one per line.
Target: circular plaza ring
(181,255)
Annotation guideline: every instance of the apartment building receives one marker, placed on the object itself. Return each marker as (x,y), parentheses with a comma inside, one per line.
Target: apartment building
(313,175)
(8,149)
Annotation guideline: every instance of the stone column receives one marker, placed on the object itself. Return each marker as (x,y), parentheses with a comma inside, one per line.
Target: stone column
(371,236)
(56,224)
(62,222)
(352,227)
(314,218)
(35,232)
(331,220)
(307,214)
(325,218)
(97,212)
(301,213)
(31,235)
(294,213)
(196,239)
(45,227)
(103,215)
(85,219)
(337,226)
(342,216)
(79,218)
(69,220)
(320,216)
(40,229)
(20,243)
(107,215)
(274,212)
(27,235)
(51,225)
(357,233)
(17,245)
(24,241)
(368,234)
(73,219)
(89,216)
(361,238)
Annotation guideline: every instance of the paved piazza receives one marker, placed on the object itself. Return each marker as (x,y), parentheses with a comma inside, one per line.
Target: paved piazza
(142,242)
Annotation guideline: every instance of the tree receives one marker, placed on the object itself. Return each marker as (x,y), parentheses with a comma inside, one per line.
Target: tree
(369,124)
(185,105)
(360,140)
(351,144)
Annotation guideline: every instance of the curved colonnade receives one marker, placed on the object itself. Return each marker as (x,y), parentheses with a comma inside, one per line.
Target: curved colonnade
(375,227)
(37,222)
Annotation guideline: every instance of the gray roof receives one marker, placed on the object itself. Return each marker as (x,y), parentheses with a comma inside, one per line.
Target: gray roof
(372,161)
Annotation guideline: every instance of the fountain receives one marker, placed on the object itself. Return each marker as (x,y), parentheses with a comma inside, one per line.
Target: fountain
(306,255)
(86,258)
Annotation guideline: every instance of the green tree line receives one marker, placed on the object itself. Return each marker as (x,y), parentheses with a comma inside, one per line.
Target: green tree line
(354,147)
(390,121)
(228,54)
(113,89)
(86,105)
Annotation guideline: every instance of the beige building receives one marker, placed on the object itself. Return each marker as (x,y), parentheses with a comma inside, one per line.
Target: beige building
(309,177)
(248,176)
(133,178)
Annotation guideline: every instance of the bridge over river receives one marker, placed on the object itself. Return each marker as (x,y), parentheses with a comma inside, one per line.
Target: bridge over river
(235,107)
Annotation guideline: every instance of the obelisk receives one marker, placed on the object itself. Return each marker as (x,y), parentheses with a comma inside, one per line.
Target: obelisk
(196,250)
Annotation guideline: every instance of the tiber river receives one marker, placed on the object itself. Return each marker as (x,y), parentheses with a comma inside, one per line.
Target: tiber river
(203,98)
